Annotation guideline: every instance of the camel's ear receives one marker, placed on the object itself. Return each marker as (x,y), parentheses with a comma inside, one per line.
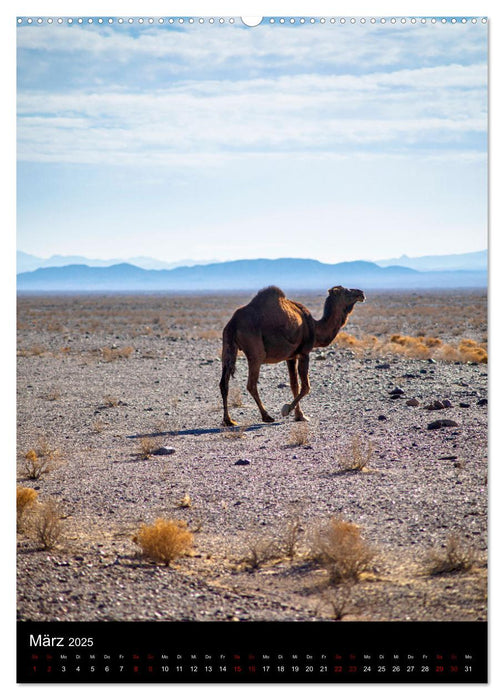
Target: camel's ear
(335,290)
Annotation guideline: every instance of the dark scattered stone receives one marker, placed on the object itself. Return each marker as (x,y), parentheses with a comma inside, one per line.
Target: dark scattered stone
(242,462)
(384,365)
(446,403)
(442,423)
(282,385)
(434,406)
(449,458)
(463,404)
(397,391)
(482,402)
(322,356)
(396,396)
(165,450)
(412,402)
(431,361)
(408,375)
(422,371)
(382,417)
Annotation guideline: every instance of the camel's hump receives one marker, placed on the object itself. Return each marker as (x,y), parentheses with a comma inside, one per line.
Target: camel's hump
(267,293)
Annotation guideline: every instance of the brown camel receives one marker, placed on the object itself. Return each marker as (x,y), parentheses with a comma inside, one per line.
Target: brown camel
(272,328)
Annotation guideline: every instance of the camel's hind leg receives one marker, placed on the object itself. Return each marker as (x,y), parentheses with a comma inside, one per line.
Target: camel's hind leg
(254,366)
(224,386)
(293,376)
(303,364)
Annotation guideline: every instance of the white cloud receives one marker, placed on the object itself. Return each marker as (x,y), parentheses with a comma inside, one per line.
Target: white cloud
(440,105)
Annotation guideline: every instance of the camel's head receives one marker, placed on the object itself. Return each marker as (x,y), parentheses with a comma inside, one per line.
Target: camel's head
(348,296)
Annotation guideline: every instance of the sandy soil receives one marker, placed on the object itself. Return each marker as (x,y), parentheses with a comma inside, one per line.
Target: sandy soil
(101,388)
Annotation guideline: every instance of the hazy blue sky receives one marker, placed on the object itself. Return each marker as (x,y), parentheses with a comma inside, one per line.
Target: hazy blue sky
(333,142)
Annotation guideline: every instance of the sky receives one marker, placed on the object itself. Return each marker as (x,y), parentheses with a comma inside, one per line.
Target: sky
(219,141)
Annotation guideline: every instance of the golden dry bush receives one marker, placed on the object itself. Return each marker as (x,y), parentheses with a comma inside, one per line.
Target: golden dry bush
(164,541)
(454,557)
(110,354)
(471,351)
(357,455)
(299,434)
(40,460)
(47,525)
(25,500)
(147,448)
(341,550)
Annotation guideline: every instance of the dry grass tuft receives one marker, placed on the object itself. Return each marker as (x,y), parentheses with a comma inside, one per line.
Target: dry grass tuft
(111,354)
(260,550)
(40,460)
(25,501)
(290,537)
(420,347)
(299,434)
(235,399)
(341,550)
(47,525)
(337,600)
(164,541)
(148,446)
(454,557)
(110,401)
(357,455)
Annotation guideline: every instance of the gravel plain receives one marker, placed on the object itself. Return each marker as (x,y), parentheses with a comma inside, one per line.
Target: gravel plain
(103,390)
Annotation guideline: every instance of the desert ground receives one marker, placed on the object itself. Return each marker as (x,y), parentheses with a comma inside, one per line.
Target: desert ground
(104,381)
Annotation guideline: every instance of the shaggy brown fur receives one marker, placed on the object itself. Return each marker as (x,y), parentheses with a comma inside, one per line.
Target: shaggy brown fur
(272,328)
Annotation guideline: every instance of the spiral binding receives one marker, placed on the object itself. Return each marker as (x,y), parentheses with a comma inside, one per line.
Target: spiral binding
(150,21)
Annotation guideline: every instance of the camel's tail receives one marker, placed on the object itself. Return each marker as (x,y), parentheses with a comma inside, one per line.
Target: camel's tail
(229,350)
(229,353)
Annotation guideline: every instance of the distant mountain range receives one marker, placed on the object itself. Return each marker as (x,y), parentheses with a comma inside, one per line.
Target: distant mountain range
(288,273)
(27,263)
(461,261)
(425,263)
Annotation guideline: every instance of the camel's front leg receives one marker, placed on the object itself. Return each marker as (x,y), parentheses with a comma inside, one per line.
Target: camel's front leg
(253,377)
(293,376)
(303,365)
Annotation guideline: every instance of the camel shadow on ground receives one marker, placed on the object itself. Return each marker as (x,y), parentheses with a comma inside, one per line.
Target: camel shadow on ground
(203,431)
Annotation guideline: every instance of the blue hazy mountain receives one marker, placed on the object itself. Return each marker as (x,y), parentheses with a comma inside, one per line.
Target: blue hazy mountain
(27,263)
(458,261)
(288,273)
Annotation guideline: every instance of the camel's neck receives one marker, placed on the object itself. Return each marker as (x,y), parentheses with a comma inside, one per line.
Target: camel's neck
(334,318)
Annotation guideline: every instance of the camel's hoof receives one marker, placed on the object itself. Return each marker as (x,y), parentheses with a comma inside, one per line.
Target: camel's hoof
(286,410)
(268,419)
(229,422)
(303,418)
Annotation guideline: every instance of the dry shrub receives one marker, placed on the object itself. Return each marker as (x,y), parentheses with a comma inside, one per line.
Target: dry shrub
(110,354)
(164,541)
(147,447)
(357,455)
(259,551)
(25,501)
(40,460)
(235,397)
(299,434)
(288,542)
(211,334)
(33,351)
(340,548)
(337,600)
(47,525)
(234,432)
(421,347)
(471,351)
(110,401)
(454,557)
